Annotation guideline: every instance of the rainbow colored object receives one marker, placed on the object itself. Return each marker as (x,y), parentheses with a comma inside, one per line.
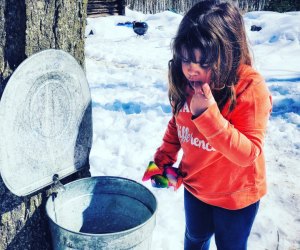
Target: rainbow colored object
(159,181)
(172,175)
(151,170)
(162,178)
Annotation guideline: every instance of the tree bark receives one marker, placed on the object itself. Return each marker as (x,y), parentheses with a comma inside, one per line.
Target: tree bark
(27,27)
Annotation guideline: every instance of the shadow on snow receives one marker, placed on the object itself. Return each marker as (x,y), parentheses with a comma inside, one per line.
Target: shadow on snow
(132,107)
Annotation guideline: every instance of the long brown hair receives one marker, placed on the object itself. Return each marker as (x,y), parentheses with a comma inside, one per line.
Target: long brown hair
(217,30)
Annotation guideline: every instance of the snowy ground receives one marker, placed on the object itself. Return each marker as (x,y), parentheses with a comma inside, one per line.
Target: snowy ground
(128,81)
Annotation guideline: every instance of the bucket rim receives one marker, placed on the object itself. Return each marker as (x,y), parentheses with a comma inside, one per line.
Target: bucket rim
(127,231)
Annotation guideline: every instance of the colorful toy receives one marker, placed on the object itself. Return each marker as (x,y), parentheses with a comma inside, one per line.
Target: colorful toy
(162,178)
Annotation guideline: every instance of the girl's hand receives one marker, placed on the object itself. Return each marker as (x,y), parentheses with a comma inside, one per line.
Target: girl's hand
(201,99)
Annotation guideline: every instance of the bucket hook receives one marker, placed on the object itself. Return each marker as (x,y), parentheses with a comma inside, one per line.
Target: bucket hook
(57,185)
(55,188)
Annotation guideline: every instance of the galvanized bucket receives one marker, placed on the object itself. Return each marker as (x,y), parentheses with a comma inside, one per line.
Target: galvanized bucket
(102,213)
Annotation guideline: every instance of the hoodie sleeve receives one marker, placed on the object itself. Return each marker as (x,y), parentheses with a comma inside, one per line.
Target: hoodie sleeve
(167,153)
(240,140)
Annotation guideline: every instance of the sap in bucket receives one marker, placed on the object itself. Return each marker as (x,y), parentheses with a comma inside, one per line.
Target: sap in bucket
(46,134)
(102,213)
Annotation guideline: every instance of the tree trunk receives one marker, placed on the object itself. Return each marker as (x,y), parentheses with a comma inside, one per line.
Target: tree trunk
(26,27)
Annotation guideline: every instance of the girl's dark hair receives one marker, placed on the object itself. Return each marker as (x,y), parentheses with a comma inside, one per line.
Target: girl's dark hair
(217,30)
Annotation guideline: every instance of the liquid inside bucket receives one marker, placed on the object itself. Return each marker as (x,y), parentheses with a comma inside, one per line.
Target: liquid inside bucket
(102,213)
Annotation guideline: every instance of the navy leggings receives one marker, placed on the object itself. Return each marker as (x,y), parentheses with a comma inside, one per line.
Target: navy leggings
(231,227)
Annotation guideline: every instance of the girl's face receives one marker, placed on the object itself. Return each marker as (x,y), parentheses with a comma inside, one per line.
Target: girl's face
(194,71)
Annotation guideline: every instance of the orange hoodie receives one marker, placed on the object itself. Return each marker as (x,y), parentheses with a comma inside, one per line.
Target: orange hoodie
(223,162)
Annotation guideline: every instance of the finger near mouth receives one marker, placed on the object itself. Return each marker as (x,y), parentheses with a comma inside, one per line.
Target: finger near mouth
(195,84)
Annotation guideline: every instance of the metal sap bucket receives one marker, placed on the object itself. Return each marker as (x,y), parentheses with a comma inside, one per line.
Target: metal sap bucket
(102,213)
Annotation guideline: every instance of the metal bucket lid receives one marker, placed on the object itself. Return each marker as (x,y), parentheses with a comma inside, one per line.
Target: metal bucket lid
(43,128)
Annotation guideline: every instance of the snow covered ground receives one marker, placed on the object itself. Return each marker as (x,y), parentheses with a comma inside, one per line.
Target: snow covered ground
(127,75)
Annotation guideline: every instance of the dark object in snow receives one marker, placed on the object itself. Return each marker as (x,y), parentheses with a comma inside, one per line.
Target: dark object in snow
(91,33)
(126,24)
(255,28)
(140,28)
(172,10)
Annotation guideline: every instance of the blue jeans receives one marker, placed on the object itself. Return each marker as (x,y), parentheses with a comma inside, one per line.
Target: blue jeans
(231,227)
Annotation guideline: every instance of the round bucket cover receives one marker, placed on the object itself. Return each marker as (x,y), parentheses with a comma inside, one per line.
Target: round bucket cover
(46,126)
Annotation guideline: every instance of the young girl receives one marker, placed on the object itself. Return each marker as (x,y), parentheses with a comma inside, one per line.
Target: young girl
(221,106)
